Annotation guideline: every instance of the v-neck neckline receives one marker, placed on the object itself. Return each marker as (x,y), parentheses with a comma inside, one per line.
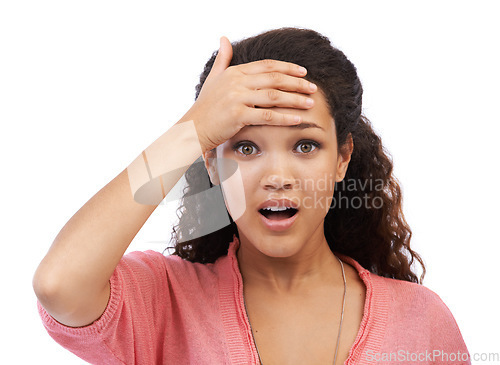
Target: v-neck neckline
(371,329)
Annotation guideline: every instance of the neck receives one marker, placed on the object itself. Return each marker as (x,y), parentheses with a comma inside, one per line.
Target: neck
(314,265)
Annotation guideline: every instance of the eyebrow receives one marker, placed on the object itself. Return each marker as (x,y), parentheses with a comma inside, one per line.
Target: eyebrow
(302,125)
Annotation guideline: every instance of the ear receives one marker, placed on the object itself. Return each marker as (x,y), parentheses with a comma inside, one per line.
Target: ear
(210,159)
(344,158)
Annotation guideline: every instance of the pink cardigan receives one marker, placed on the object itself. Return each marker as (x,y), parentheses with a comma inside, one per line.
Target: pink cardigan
(166,310)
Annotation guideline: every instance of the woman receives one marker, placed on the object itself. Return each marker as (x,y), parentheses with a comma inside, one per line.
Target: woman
(314,265)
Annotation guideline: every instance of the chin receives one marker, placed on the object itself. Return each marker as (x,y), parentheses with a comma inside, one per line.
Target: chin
(275,246)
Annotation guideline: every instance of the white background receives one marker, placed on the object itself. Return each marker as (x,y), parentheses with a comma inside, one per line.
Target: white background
(86,86)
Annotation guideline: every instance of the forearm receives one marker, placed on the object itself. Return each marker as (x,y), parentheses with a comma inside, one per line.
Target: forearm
(86,251)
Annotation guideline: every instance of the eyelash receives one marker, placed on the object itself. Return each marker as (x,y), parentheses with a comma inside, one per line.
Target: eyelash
(237,145)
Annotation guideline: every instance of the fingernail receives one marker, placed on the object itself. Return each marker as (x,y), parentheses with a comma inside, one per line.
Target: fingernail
(313,87)
(302,70)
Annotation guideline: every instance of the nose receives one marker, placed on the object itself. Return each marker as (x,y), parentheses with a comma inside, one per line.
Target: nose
(277,174)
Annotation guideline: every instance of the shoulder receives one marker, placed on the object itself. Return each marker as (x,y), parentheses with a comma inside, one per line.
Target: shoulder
(171,267)
(414,307)
(403,299)
(416,298)
(407,315)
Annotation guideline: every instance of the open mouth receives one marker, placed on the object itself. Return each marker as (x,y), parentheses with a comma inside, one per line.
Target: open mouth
(278,215)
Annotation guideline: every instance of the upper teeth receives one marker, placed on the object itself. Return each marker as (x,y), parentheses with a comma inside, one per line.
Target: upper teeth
(276,209)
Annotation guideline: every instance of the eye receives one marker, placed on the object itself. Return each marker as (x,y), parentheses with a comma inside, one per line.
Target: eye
(311,144)
(246,148)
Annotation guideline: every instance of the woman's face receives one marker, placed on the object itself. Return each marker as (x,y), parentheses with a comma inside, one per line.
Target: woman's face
(298,163)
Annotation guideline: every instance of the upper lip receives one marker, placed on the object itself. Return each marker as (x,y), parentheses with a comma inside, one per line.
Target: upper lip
(277,203)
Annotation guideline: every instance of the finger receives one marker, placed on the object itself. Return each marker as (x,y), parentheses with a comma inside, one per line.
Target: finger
(268,65)
(270,117)
(277,80)
(223,58)
(275,98)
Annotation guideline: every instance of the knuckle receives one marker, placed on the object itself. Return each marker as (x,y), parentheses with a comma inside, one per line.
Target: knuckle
(235,111)
(232,74)
(267,115)
(231,70)
(268,63)
(302,84)
(272,94)
(232,96)
(232,79)
(276,76)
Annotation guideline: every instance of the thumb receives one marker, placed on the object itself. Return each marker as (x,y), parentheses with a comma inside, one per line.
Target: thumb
(223,57)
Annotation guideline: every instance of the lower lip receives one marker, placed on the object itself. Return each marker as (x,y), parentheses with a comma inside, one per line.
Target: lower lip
(278,225)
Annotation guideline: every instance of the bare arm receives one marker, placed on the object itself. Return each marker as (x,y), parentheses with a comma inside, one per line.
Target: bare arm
(72,281)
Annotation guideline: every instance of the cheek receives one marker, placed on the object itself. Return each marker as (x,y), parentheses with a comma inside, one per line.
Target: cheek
(317,190)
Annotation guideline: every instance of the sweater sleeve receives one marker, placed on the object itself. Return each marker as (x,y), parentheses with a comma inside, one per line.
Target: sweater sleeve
(133,320)
(448,343)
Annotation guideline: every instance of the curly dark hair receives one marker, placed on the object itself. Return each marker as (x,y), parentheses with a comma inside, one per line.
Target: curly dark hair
(379,239)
